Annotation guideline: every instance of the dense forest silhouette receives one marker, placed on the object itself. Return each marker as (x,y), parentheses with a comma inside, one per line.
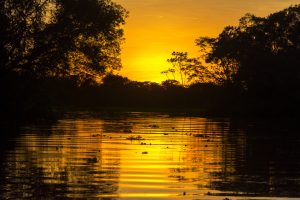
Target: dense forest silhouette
(57,56)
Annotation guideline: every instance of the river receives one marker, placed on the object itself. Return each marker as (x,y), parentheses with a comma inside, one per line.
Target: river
(144,155)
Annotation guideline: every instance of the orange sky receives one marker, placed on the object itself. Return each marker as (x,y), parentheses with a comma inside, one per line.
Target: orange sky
(155,28)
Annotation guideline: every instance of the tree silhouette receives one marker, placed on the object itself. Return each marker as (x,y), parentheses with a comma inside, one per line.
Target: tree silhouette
(60,37)
(221,70)
(52,51)
(259,59)
(254,66)
(186,68)
(260,54)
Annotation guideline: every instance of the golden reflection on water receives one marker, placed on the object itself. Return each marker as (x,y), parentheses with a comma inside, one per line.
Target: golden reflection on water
(134,157)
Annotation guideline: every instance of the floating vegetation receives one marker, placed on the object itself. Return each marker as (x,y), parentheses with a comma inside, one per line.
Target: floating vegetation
(201,135)
(135,138)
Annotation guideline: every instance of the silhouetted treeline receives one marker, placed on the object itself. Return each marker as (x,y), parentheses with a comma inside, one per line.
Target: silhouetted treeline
(256,63)
(54,39)
(260,61)
(35,97)
(53,60)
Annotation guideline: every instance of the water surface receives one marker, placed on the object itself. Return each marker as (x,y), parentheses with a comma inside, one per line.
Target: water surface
(151,156)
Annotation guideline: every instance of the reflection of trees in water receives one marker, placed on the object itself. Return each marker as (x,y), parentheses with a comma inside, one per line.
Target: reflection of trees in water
(249,159)
(69,163)
(265,161)
(202,155)
(79,159)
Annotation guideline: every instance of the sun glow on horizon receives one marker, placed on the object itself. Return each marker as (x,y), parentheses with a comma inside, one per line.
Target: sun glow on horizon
(156,28)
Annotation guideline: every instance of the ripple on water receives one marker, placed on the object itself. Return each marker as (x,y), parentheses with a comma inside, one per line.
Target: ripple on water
(149,156)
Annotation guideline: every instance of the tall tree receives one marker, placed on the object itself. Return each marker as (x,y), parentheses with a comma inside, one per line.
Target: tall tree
(260,54)
(60,37)
(187,69)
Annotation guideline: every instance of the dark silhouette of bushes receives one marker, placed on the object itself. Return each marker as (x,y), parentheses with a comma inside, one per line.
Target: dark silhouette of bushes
(54,42)
(55,63)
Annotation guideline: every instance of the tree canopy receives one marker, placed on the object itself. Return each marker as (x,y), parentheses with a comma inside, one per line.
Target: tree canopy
(60,37)
(258,54)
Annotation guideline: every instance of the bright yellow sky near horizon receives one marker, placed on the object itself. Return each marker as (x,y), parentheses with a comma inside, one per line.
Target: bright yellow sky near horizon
(156,28)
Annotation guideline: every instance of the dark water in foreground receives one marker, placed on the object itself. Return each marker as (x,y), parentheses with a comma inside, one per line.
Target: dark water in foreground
(154,156)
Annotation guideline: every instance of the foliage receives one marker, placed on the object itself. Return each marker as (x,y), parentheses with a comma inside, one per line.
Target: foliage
(170,83)
(260,54)
(252,68)
(185,67)
(254,65)
(60,37)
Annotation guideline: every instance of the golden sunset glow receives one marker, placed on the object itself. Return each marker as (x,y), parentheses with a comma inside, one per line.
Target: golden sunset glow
(156,28)
(150,99)
(168,162)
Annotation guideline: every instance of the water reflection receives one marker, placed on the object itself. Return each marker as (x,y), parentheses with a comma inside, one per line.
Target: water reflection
(140,155)
(266,159)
